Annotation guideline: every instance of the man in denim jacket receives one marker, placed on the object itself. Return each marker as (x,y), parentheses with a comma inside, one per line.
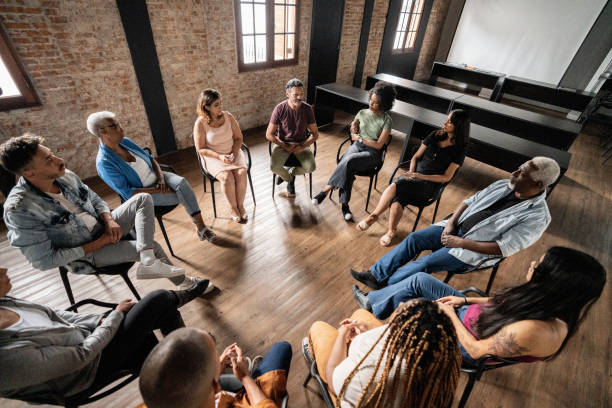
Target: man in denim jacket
(498,221)
(55,219)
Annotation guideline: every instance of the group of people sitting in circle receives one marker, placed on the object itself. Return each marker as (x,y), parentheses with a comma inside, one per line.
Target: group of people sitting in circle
(413,359)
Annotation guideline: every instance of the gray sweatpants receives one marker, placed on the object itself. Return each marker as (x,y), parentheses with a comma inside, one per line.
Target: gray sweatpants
(137,213)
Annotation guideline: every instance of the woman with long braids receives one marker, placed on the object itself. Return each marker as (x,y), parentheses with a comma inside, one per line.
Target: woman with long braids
(435,163)
(532,321)
(218,140)
(412,361)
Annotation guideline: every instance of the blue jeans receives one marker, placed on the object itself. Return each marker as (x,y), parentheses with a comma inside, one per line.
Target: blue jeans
(183,194)
(277,358)
(394,267)
(419,285)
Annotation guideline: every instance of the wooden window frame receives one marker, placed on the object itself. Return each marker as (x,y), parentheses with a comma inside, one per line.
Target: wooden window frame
(270,62)
(29,97)
(403,49)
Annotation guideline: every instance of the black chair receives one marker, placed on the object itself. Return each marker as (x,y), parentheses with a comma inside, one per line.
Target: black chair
(372,173)
(97,390)
(480,267)
(435,198)
(314,373)
(207,175)
(292,161)
(485,363)
(121,269)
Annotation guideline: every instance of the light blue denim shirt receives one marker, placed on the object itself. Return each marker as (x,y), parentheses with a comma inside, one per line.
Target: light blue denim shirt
(514,228)
(48,234)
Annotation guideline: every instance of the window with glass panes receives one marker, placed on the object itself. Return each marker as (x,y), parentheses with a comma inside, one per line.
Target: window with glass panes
(266,32)
(16,90)
(408,25)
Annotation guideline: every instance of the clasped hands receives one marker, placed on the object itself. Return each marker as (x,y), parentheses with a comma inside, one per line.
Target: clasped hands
(296,148)
(449,239)
(232,357)
(350,328)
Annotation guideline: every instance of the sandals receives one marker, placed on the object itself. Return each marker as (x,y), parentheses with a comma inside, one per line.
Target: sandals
(385,240)
(363,224)
(206,234)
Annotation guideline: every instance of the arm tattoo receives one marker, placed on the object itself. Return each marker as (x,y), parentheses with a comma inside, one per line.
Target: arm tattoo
(504,344)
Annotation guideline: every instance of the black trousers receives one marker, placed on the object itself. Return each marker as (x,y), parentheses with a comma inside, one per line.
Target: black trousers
(135,339)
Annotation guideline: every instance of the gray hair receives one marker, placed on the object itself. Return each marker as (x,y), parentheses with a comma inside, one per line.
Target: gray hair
(293,83)
(95,119)
(548,170)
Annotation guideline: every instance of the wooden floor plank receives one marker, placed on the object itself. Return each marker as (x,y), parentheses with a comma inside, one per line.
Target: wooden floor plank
(288,266)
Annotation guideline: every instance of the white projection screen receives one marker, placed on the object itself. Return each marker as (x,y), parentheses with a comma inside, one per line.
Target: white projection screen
(534,39)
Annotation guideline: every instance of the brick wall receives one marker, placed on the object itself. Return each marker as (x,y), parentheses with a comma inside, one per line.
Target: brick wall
(79,61)
(377,30)
(349,43)
(431,40)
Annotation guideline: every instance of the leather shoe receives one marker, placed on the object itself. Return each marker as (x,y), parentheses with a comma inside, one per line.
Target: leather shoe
(362,298)
(367,279)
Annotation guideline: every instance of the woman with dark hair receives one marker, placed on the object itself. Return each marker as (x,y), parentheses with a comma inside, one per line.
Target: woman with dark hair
(218,140)
(370,131)
(412,361)
(532,321)
(434,164)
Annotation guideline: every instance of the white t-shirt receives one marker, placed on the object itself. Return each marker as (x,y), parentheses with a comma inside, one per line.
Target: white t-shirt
(29,318)
(89,221)
(360,345)
(146,175)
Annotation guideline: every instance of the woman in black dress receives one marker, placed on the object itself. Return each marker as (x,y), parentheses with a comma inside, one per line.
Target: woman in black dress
(435,163)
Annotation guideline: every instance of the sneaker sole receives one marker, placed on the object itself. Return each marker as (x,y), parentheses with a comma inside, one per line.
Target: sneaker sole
(152,276)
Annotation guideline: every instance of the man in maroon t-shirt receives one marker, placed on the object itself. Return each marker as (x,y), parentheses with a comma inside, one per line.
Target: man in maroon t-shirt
(288,129)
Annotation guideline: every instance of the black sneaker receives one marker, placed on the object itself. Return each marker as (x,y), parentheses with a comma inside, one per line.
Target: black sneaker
(362,298)
(346,212)
(279,180)
(291,188)
(199,288)
(318,199)
(367,279)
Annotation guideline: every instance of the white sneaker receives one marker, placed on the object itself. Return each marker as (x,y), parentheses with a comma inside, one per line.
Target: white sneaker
(158,269)
(189,282)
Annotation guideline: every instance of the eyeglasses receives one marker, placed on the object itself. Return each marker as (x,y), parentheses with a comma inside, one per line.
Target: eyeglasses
(113,126)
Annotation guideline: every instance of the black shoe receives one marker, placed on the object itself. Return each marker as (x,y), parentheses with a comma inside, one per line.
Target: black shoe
(362,298)
(346,212)
(318,199)
(367,279)
(187,295)
(291,188)
(279,180)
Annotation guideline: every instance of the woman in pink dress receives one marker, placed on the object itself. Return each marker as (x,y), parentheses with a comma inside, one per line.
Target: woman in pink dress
(218,139)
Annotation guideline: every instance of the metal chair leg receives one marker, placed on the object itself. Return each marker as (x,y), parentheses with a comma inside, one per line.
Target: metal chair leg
(310,176)
(449,275)
(130,285)
(467,390)
(433,220)
(212,192)
(273,183)
(64,276)
(307,380)
(416,222)
(375,180)
(491,278)
(369,192)
(251,184)
(204,182)
(163,230)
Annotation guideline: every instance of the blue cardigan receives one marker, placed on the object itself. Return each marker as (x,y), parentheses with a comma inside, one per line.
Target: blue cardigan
(115,172)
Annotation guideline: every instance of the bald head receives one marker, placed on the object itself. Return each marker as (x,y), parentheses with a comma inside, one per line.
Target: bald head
(180,371)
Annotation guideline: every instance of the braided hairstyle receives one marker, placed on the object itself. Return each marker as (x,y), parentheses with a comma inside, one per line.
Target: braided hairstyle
(419,364)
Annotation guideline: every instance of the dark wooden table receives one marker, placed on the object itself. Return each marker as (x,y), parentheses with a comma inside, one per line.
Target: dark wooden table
(493,147)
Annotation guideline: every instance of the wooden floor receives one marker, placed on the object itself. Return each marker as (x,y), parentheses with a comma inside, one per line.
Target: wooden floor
(288,266)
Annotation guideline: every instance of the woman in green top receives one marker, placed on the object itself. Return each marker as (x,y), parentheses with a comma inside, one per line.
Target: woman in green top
(370,131)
